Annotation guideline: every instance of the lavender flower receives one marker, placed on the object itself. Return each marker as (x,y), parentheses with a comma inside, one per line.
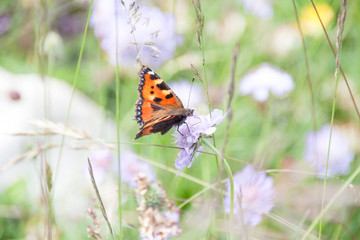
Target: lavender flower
(253,192)
(316,149)
(131,167)
(260,8)
(149,32)
(100,160)
(4,23)
(264,79)
(188,135)
(69,25)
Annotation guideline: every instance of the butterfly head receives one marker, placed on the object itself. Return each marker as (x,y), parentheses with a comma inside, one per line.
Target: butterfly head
(189,112)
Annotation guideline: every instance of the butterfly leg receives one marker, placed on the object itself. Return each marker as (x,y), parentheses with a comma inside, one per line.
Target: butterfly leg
(187,126)
(177,129)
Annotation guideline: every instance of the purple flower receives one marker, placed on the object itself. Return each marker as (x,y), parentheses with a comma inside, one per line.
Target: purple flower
(316,149)
(69,25)
(266,79)
(188,135)
(152,30)
(100,160)
(4,23)
(261,8)
(131,167)
(253,192)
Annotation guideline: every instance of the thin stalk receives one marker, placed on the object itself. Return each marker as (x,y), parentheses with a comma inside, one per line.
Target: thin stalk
(231,180)
(73,91)
(331,202)
(118,121)
(308,76)
(341,70)
(340,24)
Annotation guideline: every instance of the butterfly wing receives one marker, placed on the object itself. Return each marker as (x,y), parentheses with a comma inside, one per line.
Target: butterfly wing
(153,89)
(162,125)
(158,108)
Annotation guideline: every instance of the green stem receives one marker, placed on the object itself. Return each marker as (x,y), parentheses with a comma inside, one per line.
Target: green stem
(338,48)
(331,202)
(72,94)
(118,124)
(231,180)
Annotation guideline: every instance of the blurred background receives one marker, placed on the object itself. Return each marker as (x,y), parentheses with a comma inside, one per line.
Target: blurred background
(249,59)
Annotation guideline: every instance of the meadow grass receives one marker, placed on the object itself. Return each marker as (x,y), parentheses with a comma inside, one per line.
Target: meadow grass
(268,135)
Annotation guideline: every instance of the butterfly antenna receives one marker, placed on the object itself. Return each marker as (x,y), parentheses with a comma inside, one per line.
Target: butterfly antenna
(192,83)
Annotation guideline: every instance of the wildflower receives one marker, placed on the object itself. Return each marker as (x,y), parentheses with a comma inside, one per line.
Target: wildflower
(264,79)
(260,8)
(182,89)
(284,39)
(231,27)
(309,21)
(158,217)
(141,30)
(189,133)
(316,150)
(100,160)
(131,167)
(5,20)
(253,195)
(53,44)
(69,25)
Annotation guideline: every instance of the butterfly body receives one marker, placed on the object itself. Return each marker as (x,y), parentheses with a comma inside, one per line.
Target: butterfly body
(158,109)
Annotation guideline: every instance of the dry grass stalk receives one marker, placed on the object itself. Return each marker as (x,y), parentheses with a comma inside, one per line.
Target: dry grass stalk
(199,21)
(52,128)
(196,72)
(46,187)
(307,65)
(231,91)
(341,70)
(102,207)
(339,32)
(31,154)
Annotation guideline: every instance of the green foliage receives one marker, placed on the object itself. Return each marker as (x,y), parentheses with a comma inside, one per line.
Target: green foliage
(272,133)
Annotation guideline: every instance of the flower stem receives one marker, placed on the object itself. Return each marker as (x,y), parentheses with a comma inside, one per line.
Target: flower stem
(228,171)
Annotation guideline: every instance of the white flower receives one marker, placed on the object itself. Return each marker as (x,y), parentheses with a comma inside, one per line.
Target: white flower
(188,135)
(53,44)
(153,30)
(182,90)
(264,79)
(260,8)
(253,192)
(316,149)
(284,39)
(131,166)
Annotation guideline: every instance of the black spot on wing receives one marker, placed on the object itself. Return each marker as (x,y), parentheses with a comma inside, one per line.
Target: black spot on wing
(152,87)
(154,76)
(157,100)
(152,92)
(170,95)
(163,86)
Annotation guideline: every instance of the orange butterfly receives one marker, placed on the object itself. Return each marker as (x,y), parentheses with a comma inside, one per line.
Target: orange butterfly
(158,108)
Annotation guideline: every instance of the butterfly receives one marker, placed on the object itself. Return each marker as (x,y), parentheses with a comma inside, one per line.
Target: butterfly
(158,109)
